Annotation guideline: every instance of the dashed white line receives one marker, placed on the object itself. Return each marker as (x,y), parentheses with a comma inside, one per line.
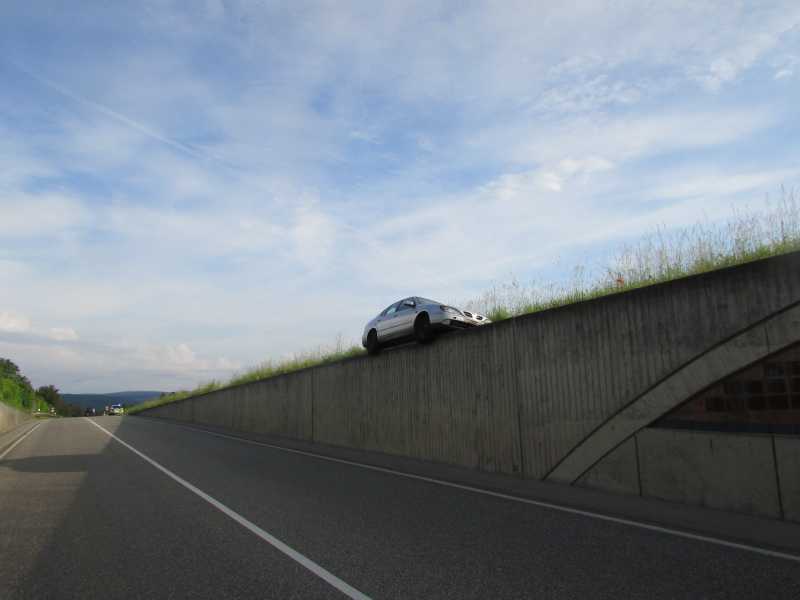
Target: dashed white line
(18,441)
(306,562)
(476,490)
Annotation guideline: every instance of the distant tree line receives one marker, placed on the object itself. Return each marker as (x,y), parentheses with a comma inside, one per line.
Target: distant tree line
(16,390)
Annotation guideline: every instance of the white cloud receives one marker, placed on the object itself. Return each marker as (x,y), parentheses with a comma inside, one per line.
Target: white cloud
(709,184)
(632,137)
(599,92)
(63,334)
(364,136)
(179,358)
(313,235)
(554,177)
(749,49)
(14,323)
(26,215)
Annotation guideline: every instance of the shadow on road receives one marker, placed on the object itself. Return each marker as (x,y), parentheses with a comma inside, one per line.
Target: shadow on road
(83,517)
(69,463)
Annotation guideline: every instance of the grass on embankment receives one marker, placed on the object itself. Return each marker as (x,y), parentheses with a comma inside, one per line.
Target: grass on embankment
(263,371)
(659,257)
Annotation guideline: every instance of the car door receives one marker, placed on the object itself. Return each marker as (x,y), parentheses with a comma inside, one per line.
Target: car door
(386,322)
(404,318)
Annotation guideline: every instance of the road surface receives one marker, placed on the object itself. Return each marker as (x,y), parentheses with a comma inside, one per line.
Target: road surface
(127,507)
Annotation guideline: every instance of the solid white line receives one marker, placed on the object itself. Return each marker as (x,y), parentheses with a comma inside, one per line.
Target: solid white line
(319,571)
(468,488)
(19,439)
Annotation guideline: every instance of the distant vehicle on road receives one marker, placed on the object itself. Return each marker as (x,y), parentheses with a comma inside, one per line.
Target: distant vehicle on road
(415,318)
(116,409)
(89,412)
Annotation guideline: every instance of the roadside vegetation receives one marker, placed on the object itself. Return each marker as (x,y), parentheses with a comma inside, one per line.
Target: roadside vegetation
(663,255)
(16,391)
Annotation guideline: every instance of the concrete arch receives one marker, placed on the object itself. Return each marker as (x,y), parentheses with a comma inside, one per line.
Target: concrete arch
(751,345)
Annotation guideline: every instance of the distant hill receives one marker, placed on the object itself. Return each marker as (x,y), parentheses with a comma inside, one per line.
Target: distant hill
(98,401)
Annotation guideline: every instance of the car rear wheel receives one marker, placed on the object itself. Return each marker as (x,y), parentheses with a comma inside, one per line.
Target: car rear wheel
(373,347)
(423,332)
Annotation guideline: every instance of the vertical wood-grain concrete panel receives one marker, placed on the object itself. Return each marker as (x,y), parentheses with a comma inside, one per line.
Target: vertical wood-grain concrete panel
(451,401)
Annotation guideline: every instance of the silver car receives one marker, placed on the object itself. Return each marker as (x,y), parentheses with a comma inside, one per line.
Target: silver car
(415,318)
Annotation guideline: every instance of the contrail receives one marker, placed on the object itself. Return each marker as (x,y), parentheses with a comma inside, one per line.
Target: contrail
(111,113)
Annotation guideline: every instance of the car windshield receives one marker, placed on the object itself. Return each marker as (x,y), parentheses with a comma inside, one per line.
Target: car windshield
(427,301)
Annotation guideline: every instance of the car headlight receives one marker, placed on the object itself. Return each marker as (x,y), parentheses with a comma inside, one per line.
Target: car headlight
(450,309)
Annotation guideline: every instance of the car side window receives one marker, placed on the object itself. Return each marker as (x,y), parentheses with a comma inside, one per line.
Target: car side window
(404,306)
(390,310)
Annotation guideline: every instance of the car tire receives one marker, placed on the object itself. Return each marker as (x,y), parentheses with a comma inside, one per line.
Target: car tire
(423,332)
(373,346)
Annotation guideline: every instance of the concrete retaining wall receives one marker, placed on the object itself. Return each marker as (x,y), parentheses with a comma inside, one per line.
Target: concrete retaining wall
(762,339)
(749,473)
(11,417)
(787,458)
(519,396)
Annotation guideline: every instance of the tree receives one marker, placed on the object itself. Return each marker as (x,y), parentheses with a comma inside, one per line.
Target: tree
(8,368)
(11,371)
(50,394)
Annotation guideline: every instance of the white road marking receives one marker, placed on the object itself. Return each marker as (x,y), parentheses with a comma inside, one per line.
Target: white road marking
(18,441)
(319,571)
(476,490)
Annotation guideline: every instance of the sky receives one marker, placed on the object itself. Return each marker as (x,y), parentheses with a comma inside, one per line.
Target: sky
(191,188)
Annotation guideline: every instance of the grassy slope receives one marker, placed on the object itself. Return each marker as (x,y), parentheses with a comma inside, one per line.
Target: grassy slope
(15,395)
(656,258)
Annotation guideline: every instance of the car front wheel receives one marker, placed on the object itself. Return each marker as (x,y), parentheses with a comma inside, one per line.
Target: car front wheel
(423,332)
(373,347)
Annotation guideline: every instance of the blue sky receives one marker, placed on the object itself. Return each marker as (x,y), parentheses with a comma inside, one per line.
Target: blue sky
(190,188)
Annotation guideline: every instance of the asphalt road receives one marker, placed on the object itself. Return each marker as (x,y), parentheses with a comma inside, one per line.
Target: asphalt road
(83,515)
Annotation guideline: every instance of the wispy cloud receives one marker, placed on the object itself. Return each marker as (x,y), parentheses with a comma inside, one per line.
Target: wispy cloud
(112,114)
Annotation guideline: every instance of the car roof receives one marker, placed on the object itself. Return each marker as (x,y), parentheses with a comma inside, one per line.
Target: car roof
(416,299)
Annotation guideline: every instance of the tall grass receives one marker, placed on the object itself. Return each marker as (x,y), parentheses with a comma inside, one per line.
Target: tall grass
(660,256)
